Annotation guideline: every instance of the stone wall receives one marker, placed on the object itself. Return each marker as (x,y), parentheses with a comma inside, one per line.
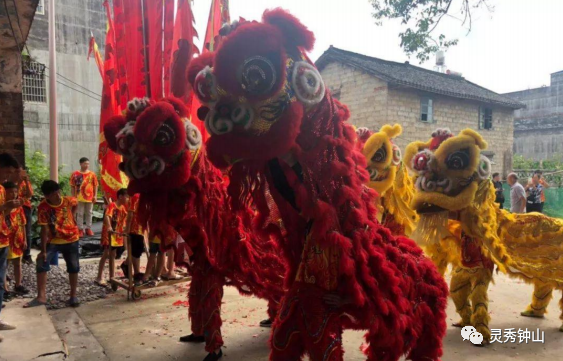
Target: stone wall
(373,103)
(78,112)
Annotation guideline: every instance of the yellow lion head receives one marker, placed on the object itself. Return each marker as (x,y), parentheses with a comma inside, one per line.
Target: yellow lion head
(382,156)
(448,170)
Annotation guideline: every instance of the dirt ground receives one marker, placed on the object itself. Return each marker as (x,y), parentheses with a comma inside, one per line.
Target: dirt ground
(148,329)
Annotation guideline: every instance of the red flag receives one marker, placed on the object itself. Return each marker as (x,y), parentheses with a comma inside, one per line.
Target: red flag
(168,38)
(154,25)
(130,42)
(93,48)
(112,179)
(218,16)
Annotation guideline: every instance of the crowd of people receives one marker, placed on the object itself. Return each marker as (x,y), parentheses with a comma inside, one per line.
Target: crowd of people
(528,199)
(63,221)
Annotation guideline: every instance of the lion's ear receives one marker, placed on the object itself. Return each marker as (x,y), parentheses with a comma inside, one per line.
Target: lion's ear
(294,33)
(392,131)
(112,127)
(479,141)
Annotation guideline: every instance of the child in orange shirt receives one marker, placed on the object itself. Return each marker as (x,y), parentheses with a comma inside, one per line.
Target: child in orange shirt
(14,231)
(115,222)
(59,234)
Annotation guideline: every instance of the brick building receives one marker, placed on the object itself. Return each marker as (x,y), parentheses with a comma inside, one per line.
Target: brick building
(15,22)
(538,128)
(379,92)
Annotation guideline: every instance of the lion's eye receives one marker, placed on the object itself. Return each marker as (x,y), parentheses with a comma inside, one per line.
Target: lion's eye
(257,75)
(380,155)
(164,136)
(396,155)
(458,160)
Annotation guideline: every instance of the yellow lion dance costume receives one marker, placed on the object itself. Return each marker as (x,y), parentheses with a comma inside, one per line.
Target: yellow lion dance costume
(461,224)
(390,178)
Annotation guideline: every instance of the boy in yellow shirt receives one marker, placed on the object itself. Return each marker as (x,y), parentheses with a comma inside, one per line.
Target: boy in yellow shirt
(84,184)
(14,230)
(59,234)
(113,241)
(9,170)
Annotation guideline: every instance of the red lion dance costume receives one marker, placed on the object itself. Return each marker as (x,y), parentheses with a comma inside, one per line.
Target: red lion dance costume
(292,154)
(180,191)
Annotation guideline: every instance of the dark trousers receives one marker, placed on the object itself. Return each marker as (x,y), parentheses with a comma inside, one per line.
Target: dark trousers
(534,207)
(3,267)
(27,212)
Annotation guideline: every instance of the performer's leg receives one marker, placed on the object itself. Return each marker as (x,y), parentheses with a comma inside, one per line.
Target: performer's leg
(286,341)
(460,289)
(329,346)
(479,299)
(211,311)
(540,300)
(561,308)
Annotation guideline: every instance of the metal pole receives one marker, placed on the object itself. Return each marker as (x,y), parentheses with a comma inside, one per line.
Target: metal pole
(53,128)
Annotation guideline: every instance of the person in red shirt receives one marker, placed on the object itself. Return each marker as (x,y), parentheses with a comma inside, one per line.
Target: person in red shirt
(59,234)
(113,241)
(9,170)
(14,229)
(84,185)
(25,192)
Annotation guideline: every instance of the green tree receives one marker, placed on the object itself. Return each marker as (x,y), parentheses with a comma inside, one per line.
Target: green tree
(421,17)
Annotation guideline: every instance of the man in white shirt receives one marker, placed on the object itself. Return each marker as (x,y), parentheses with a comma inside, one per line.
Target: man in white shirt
(517,194)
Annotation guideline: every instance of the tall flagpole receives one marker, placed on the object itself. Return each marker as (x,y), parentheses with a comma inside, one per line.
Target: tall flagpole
(53,129)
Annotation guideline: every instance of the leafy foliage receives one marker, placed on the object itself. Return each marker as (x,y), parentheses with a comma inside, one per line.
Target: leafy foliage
(421,18)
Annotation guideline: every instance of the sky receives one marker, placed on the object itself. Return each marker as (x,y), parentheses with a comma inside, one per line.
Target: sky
(515,47)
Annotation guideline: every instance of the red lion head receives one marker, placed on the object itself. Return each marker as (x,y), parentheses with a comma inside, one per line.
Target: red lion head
(257,87)
(157,142)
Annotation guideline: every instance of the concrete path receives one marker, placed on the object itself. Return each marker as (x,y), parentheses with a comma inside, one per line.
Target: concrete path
(35,336)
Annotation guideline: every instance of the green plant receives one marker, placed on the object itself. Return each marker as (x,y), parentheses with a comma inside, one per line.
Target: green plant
(421,18)
(38,171)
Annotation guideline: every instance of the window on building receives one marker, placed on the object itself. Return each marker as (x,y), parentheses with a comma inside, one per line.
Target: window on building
(40,7)
(34,87)
(426,111)
(485,118)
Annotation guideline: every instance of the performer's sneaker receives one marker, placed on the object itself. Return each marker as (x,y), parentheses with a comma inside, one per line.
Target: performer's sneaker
(213,356)
(266,323)
(192,339)
(529,313)
(89,232)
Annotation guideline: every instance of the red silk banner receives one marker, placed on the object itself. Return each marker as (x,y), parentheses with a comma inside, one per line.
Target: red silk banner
(93,48)
(120,52)
(168,38)
(133,47)
(218,16)
(112,179)
(154,24)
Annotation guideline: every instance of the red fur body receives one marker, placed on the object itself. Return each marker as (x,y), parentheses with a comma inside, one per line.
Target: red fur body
(190,195)
(313,177)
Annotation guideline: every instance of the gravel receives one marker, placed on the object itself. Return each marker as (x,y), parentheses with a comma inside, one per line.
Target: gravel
(57,284)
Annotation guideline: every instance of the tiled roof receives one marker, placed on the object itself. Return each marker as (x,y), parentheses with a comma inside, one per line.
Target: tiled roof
(415,77)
